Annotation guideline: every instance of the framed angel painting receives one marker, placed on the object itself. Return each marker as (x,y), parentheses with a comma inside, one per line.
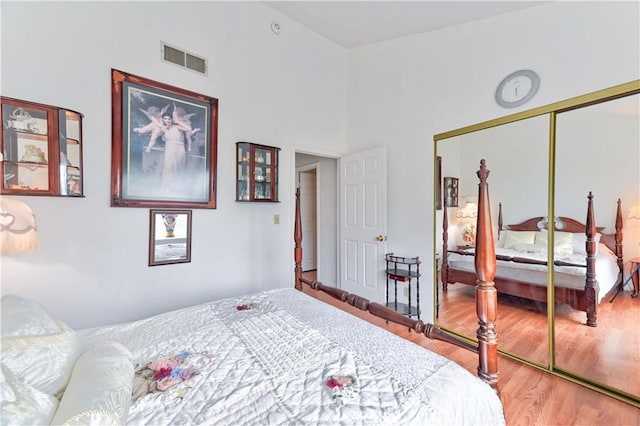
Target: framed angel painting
(164,145)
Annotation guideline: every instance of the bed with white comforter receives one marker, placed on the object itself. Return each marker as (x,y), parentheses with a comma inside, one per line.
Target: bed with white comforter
(271,364)
(274,358)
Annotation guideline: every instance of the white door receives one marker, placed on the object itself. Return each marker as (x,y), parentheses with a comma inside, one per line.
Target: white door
(308,216)
(363,218)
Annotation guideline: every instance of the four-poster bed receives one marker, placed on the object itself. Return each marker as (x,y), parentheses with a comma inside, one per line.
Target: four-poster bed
(587,262)
(483,276)
(276,357)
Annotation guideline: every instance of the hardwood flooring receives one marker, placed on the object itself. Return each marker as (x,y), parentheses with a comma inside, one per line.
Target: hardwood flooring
(529,396)
(608,353)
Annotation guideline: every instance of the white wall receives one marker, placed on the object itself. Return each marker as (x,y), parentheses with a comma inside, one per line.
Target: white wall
(285,90)
(404,91)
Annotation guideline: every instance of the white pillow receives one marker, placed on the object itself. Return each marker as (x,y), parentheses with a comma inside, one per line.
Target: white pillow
(23,404)
(99,391)
(43,361)
(513,238)
(562,243)
(22,317)
(580,240)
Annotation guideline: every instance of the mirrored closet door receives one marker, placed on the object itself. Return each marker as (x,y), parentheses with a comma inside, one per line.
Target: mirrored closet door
(517,156)
(546,166)
(598,151)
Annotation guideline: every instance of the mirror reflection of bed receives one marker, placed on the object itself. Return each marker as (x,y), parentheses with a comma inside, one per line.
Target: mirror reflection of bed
(595,148)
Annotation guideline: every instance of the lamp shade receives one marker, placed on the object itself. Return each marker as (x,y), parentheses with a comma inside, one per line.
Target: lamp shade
(470,210)
(18,230)
(634,212)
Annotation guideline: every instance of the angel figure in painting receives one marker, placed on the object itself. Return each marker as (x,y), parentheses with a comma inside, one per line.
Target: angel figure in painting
(177,137)
(154,114)
(179,115)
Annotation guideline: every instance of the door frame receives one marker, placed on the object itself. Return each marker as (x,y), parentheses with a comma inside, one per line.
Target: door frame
(294,186)
(307,167)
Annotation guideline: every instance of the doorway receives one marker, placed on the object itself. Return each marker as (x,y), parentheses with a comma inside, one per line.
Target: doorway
(317,177)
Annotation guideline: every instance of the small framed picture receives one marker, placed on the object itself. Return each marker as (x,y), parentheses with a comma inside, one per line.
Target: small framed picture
(169,237)
(451,192)
(438,174)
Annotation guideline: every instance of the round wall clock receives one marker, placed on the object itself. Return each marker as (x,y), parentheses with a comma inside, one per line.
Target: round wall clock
(517,88)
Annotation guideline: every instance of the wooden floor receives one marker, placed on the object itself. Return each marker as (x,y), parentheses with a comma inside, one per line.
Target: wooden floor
(608,353)
(529,396)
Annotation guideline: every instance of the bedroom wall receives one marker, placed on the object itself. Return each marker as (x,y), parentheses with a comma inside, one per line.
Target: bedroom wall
(404,91)
(287,90)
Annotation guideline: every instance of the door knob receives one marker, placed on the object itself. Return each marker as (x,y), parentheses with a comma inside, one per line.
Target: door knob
(381,238)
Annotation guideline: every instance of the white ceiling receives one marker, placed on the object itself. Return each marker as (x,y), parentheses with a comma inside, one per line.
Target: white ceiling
(357,23)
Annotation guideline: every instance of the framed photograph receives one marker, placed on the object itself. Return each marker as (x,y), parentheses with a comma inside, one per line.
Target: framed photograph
(438,183)
(451,192)
(164,145)
(169,237)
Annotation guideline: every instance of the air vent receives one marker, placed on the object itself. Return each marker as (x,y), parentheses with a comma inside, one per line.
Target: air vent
(184,59)
(196,63)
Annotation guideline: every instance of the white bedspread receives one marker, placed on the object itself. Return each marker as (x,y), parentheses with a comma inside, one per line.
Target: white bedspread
(564,276)
(269,366)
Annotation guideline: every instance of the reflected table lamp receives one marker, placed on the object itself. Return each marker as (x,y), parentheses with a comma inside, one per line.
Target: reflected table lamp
(634,269)
(467,217)
(18,230)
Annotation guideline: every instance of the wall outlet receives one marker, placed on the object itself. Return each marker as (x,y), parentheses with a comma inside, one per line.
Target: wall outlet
(406,292)
(276,219)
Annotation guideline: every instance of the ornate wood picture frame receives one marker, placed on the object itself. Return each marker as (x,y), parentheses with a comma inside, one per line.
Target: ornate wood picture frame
(438,179)
(164,145)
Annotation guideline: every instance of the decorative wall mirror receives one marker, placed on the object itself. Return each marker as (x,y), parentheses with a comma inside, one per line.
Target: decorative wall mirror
(544,163)
(169,237)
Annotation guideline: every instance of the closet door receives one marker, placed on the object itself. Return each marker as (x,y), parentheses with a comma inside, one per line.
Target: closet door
(598,151)
(517,155)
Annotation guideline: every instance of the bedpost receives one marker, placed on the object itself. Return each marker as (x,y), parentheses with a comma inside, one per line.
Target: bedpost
(486,293)
(297,237)
(591,284)
(499,219)
(444,273)
(619,239)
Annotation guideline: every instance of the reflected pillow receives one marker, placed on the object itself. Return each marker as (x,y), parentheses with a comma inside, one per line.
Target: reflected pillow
(580,240)
(563,242)
(513,238)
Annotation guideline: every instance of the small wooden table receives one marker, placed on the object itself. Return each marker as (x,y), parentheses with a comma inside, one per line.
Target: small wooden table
(635,275)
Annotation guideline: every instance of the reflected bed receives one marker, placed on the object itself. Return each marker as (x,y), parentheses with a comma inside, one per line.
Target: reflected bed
(587,262)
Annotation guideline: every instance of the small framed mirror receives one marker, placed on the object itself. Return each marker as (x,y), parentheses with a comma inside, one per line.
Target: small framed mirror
(169,237)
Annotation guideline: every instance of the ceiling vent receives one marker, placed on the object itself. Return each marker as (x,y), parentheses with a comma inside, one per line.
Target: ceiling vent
(183,58)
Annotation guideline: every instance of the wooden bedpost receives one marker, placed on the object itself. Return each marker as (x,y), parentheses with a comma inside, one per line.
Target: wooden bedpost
(500,224)
(591,284)
(619,237)
(486,294)
(444,270)
(297,238)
